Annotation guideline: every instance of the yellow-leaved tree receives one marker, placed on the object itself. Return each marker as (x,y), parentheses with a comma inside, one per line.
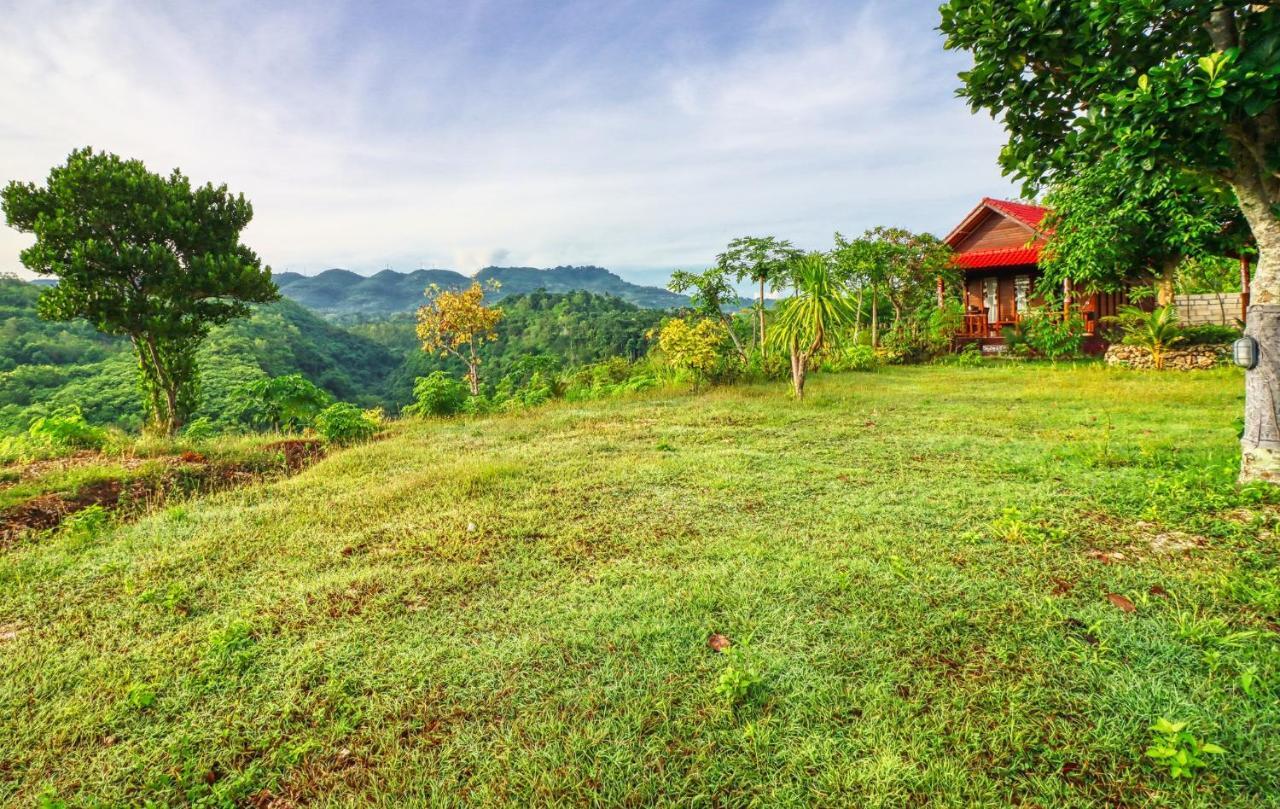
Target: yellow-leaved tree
(458,323)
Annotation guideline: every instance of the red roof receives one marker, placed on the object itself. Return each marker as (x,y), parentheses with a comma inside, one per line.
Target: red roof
(997,258)
(1029,215)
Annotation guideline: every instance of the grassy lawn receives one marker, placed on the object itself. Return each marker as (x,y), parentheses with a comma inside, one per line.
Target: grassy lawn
(913,568)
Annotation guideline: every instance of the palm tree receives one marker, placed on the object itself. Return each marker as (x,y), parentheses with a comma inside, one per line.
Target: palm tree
(814,317)
(1157,331)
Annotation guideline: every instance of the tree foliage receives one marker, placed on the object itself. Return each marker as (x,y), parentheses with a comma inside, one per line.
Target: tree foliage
(1105,224)
(898,267)
(711,296)
(144,256)
(458,324)
(764,260)
(1162,84)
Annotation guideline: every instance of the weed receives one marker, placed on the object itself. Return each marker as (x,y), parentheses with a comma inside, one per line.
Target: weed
(140,696)
(173,598)
(1175,747)
(741,679)
(232,647)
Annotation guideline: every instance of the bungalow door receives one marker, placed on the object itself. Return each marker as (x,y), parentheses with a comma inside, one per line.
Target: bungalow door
(991,298)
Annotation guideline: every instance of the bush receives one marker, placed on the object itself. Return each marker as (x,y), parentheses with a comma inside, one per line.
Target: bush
(853,358)
(344,423)
(199,429)
(1209,334)
(437,394)
(66,428)
(289,402)
(1054,336)
(968,357)
(611,377)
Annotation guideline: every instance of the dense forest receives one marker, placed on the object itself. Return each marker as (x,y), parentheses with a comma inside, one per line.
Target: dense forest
(367,360)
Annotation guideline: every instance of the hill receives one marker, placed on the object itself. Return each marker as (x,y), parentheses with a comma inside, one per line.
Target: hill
(938,585)
(340,291)
(46,364)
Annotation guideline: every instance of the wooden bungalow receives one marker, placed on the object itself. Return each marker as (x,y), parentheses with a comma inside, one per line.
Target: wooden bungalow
(997,247)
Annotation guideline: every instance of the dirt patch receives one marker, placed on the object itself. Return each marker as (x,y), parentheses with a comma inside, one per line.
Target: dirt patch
(187,474)
(298,452)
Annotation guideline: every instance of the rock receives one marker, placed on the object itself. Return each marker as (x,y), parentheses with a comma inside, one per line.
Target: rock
(1191,358)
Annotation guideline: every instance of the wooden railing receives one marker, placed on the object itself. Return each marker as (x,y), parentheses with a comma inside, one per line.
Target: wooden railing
(976,324)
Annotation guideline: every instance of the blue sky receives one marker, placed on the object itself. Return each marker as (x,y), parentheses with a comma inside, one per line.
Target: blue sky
(639,136)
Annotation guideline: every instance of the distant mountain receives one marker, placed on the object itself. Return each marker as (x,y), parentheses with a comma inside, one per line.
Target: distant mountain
(344,292)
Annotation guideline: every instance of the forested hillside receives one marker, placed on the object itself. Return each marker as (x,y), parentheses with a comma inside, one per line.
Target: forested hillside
(365,359)
(50,364)
(343,292)
(556,331)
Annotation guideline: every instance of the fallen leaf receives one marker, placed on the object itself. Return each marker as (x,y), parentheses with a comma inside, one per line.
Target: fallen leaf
(1121,602)
(1157,590)
(1061,586)
(1106,557)
(717,642)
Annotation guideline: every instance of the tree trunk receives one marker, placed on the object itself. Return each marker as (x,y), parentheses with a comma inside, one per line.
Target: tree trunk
(799,365)
(762,313)
(875,322)
(1260,444)
(737,344)
(857,322)
(164,410)
(1164,288)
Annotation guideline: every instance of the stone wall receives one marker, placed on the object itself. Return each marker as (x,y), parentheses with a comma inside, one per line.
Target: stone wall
(1222,309)
(1192,358)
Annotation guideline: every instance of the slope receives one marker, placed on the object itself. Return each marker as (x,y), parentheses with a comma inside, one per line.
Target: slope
(517,610)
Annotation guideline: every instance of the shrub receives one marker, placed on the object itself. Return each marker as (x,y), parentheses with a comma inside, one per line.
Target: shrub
(66,428)
(853,358)
(199,429)
(968,357)
(693,346)
(1209,334)
(344,423)
(1053,335)
(437,394)
(288,402)
(1017,341)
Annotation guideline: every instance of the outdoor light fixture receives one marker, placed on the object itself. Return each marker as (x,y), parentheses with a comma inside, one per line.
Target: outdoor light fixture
(1245,352)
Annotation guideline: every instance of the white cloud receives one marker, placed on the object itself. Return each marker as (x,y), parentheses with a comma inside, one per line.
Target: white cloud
(360,150)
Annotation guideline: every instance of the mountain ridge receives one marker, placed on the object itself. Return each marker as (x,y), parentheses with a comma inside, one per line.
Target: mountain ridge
(341,291)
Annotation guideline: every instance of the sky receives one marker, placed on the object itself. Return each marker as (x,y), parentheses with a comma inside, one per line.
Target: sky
(640,136)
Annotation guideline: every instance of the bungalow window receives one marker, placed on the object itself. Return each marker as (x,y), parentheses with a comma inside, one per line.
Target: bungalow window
(1021,290)
(990,287)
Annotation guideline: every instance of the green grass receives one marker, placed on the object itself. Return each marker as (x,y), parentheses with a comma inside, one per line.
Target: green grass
(913,567)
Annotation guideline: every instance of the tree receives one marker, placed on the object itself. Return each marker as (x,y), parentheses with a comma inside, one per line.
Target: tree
(762,259)
(712,295)
(1166,84)
(144,256)
(458,323)
(898,265)
(812,319)
(1104,222)
(692,345)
